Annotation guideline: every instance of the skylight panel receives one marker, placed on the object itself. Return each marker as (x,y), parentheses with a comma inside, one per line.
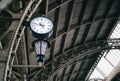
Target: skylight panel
(96,74)
(109,61)
(105,66)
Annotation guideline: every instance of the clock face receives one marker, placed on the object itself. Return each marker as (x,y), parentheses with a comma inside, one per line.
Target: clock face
(41,25)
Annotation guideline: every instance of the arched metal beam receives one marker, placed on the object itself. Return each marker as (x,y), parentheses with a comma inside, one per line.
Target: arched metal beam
(93,45)
(83,55)
(99,46)
(15,42)
(75,59)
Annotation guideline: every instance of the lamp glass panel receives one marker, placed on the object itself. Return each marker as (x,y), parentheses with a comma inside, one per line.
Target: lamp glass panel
(40,47)
(44,47)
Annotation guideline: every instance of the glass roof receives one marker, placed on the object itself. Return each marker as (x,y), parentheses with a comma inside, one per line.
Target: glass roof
(109,60)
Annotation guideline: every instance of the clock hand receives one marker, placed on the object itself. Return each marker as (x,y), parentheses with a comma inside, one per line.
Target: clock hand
(41,25)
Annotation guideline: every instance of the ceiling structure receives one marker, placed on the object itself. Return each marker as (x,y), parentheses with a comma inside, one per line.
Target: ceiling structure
(80,38)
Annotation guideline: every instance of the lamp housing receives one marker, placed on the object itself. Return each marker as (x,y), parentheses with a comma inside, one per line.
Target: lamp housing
(40,47)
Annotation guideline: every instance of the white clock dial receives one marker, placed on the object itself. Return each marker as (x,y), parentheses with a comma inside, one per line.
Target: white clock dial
(41,25)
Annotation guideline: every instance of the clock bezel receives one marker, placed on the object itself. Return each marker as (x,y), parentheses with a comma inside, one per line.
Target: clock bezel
(41,35)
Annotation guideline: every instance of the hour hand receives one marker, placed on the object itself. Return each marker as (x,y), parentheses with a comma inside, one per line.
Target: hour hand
(41,25)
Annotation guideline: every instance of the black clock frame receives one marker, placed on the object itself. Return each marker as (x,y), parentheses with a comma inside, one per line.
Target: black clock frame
(41,36)
(37,35)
